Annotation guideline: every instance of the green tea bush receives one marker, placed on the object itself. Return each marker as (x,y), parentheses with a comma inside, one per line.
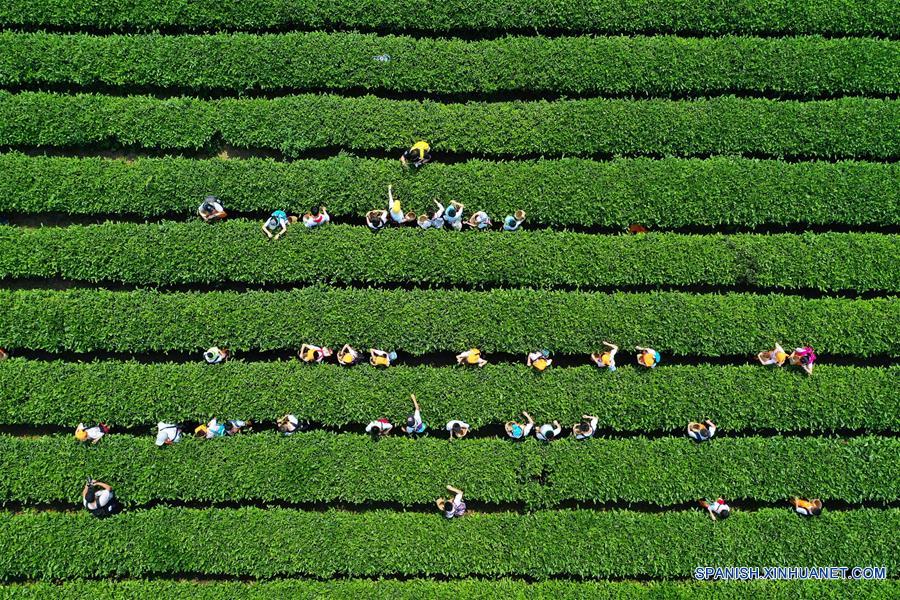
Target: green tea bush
(422,321)
(324,467)
(568,65)
(842,128)
(669,192)
(237,251)
(708,16)
(265,543)
(736,398)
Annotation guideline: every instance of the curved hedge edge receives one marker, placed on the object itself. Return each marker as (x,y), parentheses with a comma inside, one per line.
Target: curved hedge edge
(422,321)
(426,589)
(237,251)
(668,192)
(279,542)
(324,467)
(879,17)
(658,65)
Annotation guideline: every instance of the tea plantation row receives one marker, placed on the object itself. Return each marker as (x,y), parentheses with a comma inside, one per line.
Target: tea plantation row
(324,467)
(669,192)
(629,400)
(423,321)
(566,65)
(278,542)
(842,128)
(705,17)
(236,251)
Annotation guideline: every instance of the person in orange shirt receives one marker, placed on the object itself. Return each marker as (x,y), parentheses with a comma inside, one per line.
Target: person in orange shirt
(648,357)
(807,508)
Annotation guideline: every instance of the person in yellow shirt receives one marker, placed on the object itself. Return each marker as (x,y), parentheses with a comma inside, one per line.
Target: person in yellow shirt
(347,356)
(418,155)
(606,359)
(471,357)
(776,356)
(313,354)
(539,360)
(380,358)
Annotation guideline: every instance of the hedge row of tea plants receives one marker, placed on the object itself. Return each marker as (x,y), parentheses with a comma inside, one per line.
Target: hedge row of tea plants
(324,467)
(422,321)
(736,398)
(808,66)
(428,589)
(274,542)
(705,17)
(669,192)
(842,128)
(191,253)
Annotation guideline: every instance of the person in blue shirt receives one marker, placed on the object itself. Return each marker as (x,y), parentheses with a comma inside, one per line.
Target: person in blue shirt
(513,222)
(278,221)
(453,215)
(414,422)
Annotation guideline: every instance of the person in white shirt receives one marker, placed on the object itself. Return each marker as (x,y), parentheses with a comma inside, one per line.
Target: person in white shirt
(379,428)
(167,434)
(90,434)
(215,355)
(376,219)
(98,499)
(547,432)
(211,210)
(452,507)
(586,428)
(347,356)
(539,360)
(316,216)
(288,425)
(776,356)
(313,354)
(414,422)
(277,222)
(607,359)
(396,211)
(434,219)
(718,509)
(457,428)
(479,220)
(700,432)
